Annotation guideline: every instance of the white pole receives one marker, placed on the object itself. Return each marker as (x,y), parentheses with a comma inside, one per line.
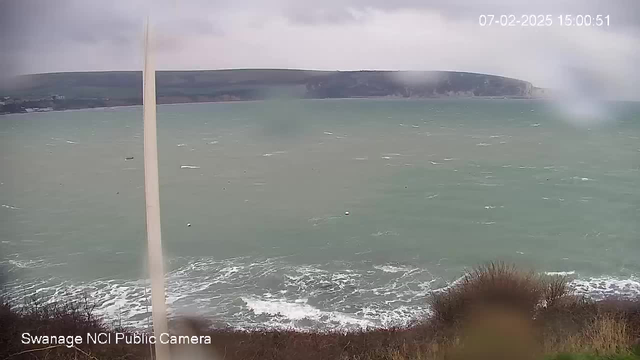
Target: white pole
(152,200)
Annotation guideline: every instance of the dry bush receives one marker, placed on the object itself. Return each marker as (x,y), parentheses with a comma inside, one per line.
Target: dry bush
(567,317)
(629,309)
(556,290)
(606,335)
(581,325)
(60,319)
(560,321)
(491,285)
(382,344)
(497,334)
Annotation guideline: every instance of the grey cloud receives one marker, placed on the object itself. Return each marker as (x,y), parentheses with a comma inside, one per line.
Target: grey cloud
(42,26)
(316,16)
(188,26)
(67,35)
(625,13)
(38,23)
(10,40)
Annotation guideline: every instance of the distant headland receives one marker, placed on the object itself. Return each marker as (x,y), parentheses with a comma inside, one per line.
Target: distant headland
(80,90)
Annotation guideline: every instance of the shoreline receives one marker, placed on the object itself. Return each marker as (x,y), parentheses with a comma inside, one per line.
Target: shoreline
(542,312)
(443,98)
(286,313)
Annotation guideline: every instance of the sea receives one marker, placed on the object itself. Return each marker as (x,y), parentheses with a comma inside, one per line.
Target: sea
(318,214)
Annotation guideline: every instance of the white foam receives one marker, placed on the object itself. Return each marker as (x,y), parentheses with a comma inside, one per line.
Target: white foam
(299,310)
(10,207)
(385,233)
(181,145)
(483,144)
(32,264)
(607,286)
(189,167)
(278,294)
(328,133)
(392,268)
(399,316)
(560,273)
(228,271)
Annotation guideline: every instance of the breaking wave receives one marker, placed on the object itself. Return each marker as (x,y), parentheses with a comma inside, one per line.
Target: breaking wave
(246,293)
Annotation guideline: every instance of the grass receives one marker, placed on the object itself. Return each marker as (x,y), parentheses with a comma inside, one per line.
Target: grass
(568,356)
(495,312)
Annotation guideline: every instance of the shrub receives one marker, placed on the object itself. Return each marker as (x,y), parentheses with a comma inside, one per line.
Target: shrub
(497,334)
(489,286)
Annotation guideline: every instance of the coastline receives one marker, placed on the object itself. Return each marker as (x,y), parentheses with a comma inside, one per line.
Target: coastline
(395,98)
(543,314)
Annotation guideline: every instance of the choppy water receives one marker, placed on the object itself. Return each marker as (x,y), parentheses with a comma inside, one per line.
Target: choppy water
(431,187)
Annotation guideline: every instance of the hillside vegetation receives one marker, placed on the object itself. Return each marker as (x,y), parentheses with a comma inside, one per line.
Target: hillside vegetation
(91,89)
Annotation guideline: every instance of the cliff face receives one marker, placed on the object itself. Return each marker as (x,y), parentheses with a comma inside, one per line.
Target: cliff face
(93,89)
(415,84)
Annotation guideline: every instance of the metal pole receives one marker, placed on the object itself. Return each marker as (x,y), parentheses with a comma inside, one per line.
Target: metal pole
(152,200)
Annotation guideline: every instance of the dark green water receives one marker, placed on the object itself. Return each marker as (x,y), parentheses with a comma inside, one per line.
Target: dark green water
(431,187)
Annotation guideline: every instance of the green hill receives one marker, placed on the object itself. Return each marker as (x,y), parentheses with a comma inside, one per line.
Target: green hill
(90,89)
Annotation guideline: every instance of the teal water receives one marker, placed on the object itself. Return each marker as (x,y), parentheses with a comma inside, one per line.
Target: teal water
(432,188)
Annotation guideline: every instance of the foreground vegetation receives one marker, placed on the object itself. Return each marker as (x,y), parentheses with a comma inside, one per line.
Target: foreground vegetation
(495,312)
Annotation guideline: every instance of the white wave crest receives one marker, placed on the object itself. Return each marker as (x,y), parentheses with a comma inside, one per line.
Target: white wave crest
(607,286)
(299,310)
(560,273)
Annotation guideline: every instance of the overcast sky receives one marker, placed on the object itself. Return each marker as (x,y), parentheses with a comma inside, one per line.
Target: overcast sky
(81,35)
